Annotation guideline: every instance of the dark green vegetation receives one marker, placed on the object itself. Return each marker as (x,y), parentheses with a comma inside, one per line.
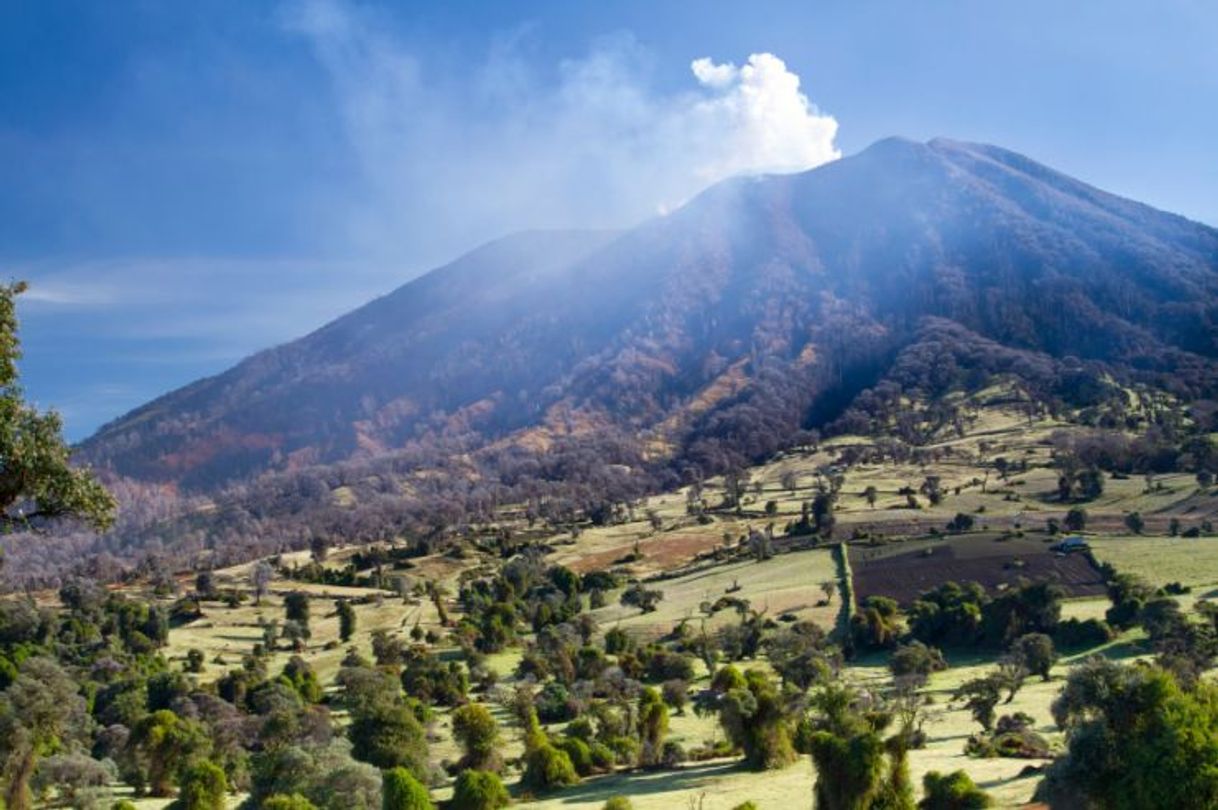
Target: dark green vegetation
(37,483)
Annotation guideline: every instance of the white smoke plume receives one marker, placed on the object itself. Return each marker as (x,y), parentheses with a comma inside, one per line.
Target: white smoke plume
(454,161)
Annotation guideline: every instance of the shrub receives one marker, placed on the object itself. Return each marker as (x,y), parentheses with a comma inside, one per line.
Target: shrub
(401,791)
(548,767)
(618,803)
(475,728)
(602,756)
(578,752)
(1073,634)
(672,754)
(555,704)
(202,788)
(293,802)
(953,791)
(479,790)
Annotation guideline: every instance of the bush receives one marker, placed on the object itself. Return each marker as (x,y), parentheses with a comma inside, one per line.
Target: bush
(475,728)
(293,802)
(555,704)
(1073,634)
(578,752)
(479,790)
(202,788)
(953,791)
(602,756)
(548,767)
(672,754)
(618,803)
(401,791)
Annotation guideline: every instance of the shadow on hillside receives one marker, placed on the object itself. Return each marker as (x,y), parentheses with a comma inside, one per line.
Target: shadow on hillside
(642,783)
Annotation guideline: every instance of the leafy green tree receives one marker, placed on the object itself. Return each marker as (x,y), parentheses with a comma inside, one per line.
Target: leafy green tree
(877,624)
(1134,522)
(40,712)
(1076,519)
(400,790)
(653,725)
(296,607)
(645,599)
(1036,653)
(167,745)
(346,620)
(300,676)
(1134,739)
(388,735)
(37,481)
(545,766)
(980,696)
(202,787)
(856,769)
(953,791)
(913,663)
(757,721)
(479,790)
(475,729)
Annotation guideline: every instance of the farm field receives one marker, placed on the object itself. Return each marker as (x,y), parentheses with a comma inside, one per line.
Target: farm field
(904,570)
(1160,560)
(785,583)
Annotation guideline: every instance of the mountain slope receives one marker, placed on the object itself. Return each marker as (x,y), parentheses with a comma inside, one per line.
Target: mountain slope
(760,307)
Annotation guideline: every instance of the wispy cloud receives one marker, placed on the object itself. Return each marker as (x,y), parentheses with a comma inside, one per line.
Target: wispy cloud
(505,144)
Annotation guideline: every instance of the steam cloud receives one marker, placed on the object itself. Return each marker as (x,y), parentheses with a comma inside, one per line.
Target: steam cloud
(454,161)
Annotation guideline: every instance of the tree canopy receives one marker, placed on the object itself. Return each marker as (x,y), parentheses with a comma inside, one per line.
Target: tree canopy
(37,482)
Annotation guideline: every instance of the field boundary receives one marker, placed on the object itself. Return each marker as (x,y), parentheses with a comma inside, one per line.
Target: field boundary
(846,576)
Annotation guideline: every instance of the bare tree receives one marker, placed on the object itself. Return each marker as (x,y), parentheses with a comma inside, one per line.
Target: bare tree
(260,578)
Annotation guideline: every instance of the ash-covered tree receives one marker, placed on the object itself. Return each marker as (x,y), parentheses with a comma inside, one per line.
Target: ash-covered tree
(37,481)
(260,579)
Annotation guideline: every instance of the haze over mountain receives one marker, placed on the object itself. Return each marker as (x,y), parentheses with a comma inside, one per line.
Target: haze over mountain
(786,294)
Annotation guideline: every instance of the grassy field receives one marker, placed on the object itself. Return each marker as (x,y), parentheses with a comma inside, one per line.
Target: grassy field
(1189,561)
(786,583)
(673,557)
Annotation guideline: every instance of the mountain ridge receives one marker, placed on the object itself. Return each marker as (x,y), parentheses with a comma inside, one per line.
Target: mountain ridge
(809,276)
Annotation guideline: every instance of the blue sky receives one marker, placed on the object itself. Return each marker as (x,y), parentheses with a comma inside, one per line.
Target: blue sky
(184,184)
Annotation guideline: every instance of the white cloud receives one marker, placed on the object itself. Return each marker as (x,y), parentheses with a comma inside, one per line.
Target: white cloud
(768,125)
(457,153)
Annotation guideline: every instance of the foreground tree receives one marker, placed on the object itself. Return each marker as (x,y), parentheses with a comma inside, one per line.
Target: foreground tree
(1135,738)
(37,482)
(856,767)
(40,711)
(757,720)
